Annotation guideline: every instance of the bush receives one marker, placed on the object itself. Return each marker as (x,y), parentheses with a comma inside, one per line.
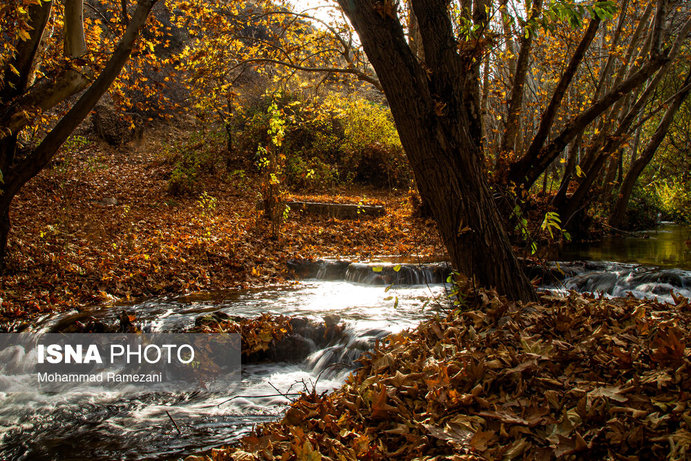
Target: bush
(306,173)
(668,200)
(643,209)
(328,141)
(201,154)
(674,199)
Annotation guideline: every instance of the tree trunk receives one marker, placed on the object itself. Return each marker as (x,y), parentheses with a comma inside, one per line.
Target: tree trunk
(124,18)
(414,38)
(17,172)
(438,118)
(515,103)
(569,170)
(618,216)
(75,43)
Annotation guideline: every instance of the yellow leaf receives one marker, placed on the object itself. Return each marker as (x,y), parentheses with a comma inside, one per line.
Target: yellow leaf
(24,35)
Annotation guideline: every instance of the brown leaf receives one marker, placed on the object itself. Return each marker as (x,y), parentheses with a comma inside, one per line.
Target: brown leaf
(669,348)
(482,439)
(380,409)
(456,435)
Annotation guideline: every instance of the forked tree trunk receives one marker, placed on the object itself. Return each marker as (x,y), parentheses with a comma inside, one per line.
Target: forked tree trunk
(18,171)
(437,113)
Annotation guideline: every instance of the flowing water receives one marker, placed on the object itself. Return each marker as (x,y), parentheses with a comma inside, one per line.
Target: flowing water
(370,300)
(109,425)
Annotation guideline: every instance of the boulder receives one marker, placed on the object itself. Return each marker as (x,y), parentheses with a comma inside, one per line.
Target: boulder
(116,127)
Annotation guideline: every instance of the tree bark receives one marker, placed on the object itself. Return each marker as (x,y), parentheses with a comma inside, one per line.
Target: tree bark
(437,113)
(414,38)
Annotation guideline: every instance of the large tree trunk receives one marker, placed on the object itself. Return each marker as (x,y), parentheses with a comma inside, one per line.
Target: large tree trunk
(437,113)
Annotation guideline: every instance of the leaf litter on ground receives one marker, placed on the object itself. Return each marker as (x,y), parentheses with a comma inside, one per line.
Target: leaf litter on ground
(580,377)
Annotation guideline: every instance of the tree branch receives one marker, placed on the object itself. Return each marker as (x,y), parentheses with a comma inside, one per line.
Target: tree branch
(41,155)
(550,113)
(516,102)
(339,70)
(526,170)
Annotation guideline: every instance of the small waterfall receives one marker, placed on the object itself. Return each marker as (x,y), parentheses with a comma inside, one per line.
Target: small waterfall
(372,273)
(332,360)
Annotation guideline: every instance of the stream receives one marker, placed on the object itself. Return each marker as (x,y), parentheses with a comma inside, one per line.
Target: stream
(369,300)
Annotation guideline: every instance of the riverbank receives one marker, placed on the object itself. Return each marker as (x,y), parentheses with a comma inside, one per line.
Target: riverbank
(584,377)
(100,227)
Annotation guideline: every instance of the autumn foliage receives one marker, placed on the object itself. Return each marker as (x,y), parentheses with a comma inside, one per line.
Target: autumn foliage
(102,228)
(582,377)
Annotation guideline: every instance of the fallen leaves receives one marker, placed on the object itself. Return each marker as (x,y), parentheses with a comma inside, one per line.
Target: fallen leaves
(258,334)
(102,230)
(505,383)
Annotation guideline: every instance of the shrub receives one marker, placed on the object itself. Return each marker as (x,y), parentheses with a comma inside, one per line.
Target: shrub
(643,208)
(328,141)
(674,199)
(201,154)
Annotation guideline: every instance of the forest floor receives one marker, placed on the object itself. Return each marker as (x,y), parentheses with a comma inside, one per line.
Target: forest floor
(576,377)
(99,227)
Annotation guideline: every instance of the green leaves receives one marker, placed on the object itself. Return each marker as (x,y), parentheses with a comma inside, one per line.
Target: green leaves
(551,222)
(277,124)
(605,9)
(574,13)
(569,12)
